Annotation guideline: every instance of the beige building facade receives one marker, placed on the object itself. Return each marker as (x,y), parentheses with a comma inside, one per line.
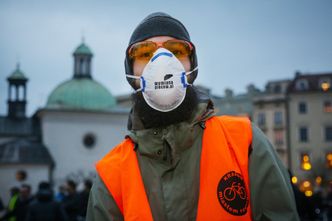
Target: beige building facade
(310,130)
(269,115)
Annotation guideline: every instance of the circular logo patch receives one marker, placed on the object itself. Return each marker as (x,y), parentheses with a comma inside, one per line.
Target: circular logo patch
(232,194)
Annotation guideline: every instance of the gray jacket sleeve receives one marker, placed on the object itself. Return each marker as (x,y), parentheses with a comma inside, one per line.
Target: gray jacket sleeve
(101,206)
(272,197)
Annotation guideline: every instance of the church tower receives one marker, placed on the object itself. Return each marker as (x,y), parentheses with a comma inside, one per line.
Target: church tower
(82,62)
(17,94)
(81,92)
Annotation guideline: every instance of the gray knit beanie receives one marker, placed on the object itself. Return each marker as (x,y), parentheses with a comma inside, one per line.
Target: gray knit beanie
(159,24)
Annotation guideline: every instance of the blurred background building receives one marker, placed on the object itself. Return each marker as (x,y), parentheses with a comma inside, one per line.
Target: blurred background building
(310,129)
(240,104)
(296,115)
(270,115)
(80,123)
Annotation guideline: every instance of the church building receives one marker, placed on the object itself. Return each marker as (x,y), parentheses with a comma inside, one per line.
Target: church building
(80,123)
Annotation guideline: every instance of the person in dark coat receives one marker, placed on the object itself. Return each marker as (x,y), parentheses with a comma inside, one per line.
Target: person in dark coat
(44,207)
(71,201)
(2,207)
(20,207)
(329,203)
(84,198)
(61,194)
(11,209)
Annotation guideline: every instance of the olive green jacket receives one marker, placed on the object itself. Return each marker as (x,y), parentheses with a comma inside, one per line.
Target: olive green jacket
(169,160)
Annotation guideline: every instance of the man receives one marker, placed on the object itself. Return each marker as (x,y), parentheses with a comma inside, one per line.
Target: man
(71,202)
(18,205)
(13,201)
(44,207)
(84,198)
(180,162)
(329,203)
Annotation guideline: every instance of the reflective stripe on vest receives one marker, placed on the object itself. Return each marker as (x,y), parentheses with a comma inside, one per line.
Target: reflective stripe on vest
(224,180)
(12,205)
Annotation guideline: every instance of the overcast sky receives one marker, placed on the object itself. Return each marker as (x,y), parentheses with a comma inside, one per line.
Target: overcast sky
(238,42)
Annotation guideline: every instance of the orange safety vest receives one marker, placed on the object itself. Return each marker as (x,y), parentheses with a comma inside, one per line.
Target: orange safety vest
(224,180)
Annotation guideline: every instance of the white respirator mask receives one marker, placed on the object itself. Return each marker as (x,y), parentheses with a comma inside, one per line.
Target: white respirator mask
(164,81)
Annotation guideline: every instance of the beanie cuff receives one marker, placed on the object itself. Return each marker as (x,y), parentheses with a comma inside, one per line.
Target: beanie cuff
(159,26)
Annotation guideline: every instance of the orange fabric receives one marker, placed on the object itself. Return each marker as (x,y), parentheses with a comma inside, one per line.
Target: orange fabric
(224,161)
(119,171)
(225,148)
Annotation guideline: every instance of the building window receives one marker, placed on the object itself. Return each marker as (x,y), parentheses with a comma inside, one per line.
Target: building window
(329,160)
(278,118)
(318,180)
(302,85)
(279,137)
(277,89)
(261,119)
(327,107)
(324,84)
(89,140)
(294,179)
(302,107)
(303,134)
(305,162)
(82,66)
(328,133)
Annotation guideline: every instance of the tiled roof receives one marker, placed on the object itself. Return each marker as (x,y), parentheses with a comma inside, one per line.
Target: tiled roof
(308,82)
(19,127)
(24,151)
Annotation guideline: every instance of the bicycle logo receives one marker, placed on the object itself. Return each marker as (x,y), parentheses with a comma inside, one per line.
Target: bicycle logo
(235,190)
(232,193)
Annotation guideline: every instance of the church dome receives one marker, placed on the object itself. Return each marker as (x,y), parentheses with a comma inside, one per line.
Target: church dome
(17,74)
(83,49)
(81,93)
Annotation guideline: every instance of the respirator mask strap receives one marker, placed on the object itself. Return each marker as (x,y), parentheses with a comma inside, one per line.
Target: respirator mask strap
(141,78)
(184,77)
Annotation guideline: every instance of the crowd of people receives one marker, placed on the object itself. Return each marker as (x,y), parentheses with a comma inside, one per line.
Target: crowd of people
(317,207)
(67,205)
(70,205)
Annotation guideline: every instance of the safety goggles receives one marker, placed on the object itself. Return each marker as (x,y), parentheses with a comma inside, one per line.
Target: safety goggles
(143,51)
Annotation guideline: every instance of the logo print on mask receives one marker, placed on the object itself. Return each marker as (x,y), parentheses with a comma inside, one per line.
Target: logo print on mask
(163,85)
(232,194)
(167,76)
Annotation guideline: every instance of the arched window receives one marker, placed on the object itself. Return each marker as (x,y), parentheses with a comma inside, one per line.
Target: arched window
(302,85)
(277,89)
(82,66)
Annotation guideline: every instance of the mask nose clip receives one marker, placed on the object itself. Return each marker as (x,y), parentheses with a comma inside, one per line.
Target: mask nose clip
(164,53)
